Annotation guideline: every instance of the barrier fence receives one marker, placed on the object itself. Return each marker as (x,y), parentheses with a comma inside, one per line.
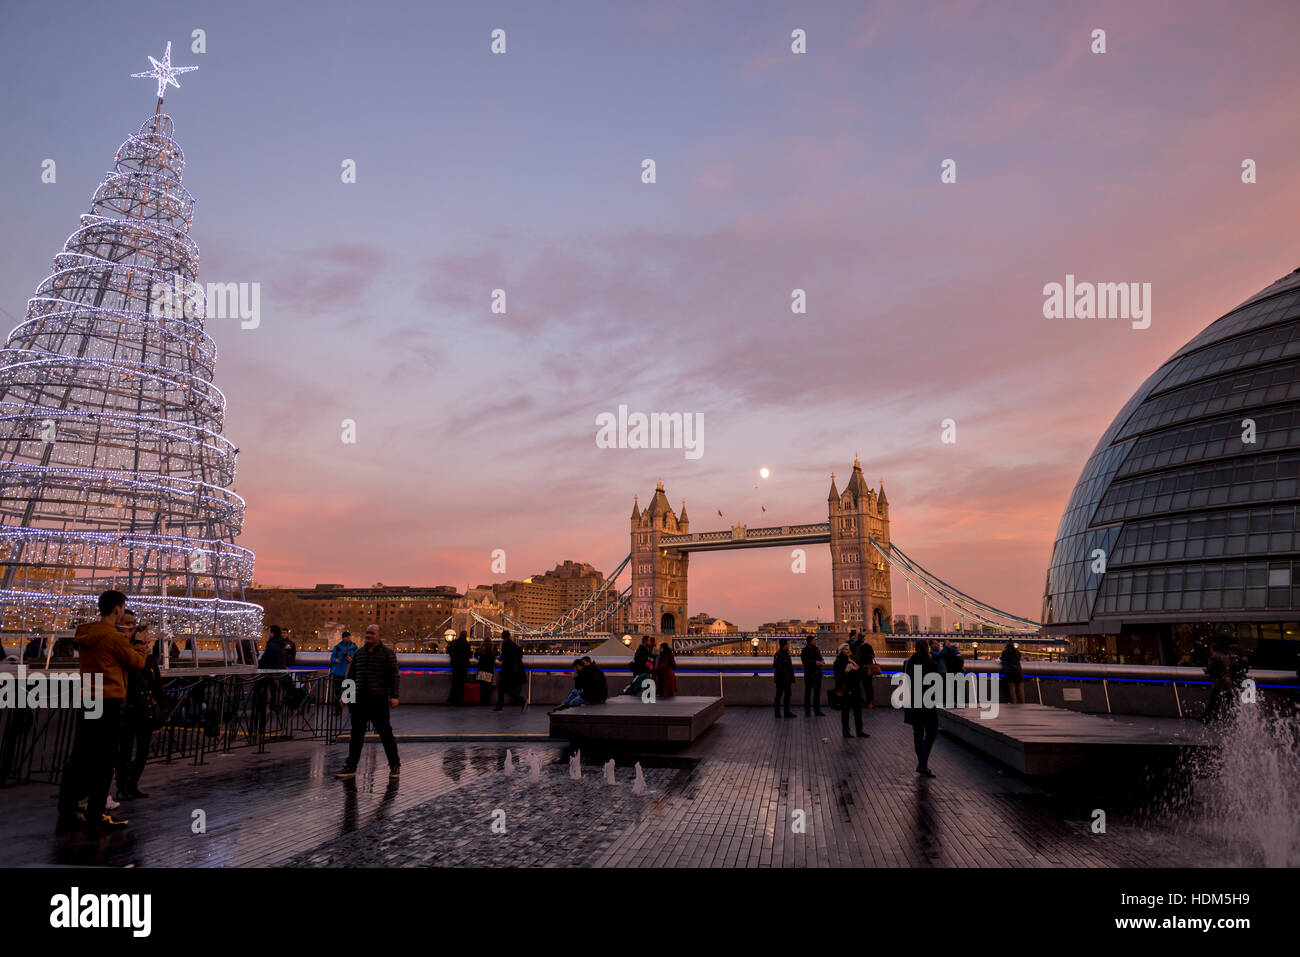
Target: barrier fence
(206,714)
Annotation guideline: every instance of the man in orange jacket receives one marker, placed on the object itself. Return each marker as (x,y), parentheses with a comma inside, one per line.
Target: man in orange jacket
(104,650)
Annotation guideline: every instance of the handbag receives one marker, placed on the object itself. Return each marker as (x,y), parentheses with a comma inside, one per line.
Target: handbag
(487,677)
(875,669)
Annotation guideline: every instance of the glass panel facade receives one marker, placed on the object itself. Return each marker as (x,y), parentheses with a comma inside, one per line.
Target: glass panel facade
(1196,522)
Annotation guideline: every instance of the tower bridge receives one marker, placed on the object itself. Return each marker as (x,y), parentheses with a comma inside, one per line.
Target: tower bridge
(863,562)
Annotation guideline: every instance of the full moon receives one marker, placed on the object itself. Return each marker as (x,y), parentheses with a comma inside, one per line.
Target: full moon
(763,472)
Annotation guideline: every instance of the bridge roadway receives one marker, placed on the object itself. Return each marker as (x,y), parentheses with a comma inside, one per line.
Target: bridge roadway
(739,536)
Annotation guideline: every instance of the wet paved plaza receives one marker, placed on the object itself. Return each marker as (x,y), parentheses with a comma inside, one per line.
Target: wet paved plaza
(753,792)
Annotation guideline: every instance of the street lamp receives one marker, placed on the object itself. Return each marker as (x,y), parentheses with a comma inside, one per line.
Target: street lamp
(754,642)
(627,641)
(977,649)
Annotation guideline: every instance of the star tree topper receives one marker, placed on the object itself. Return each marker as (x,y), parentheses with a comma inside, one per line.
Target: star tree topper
(164,72)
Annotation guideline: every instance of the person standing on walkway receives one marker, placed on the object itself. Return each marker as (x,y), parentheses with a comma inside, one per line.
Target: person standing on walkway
(460,652)
(512,674)
(665,671)
(923,719)
(275,656)
(811,657)
(848,682)
(783,675)
(374,670)
(487,664)
(864,656)
(1012,673)
(641,660)
(340,660)
(104,651)
(1219,670)
(142,711)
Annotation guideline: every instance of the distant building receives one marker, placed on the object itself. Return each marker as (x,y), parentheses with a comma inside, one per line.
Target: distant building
(792,626)
(323,612)
(936,624)
(914,624)
(704,624)
(542,598)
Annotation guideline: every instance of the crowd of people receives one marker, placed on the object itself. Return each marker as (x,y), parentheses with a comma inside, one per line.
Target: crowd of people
(509,680)
(118,650)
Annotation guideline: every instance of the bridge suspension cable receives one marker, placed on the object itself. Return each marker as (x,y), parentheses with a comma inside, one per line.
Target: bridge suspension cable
(946,595)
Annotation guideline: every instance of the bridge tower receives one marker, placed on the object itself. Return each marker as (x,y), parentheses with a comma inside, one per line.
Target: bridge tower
(860,575)
(658,602)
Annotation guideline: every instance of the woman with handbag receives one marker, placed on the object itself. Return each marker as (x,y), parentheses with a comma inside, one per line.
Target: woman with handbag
(487,663)
(142,714)
(848,687)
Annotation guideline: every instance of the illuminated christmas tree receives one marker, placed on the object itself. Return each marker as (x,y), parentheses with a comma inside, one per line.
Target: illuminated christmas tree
(113,469)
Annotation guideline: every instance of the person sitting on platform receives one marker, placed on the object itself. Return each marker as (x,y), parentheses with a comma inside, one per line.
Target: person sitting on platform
(592,683)
(574,698)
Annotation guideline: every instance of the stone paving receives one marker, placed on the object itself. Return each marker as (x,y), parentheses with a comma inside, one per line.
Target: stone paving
(728,800)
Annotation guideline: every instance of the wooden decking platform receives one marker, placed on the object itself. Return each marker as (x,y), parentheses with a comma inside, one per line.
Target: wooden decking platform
(1038,739)
(678,720)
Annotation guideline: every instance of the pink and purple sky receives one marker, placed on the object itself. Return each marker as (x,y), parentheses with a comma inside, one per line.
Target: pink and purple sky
(775,171)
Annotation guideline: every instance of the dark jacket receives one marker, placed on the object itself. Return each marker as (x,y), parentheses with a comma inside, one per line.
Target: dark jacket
(927,716)
(460,654)
(141,686)
(591,684)
(512,664)
(782,668)
(641,660)
(1011,669)
(846,679)
(104,650)
(340,657)
(290,652)
(812,659)
(487,660)
(375,671)
(274,656)
(953,660)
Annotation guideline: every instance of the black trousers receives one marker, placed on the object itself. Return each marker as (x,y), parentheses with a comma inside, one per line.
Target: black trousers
(458,676)
(812,691)
(373,710)
(852,699)
(132,753)
(783,694)
(89,771)
(923,736)
(512,691)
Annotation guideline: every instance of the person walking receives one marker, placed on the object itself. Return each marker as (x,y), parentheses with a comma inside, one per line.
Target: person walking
(275,656)
(104,652)
(512,674)
(460,653)
(1012,673)
(811,658)
(665,671)
(848,682)
(487,663)
(340,660)
(923,718)
(374,669)
(143,711)
(783,675)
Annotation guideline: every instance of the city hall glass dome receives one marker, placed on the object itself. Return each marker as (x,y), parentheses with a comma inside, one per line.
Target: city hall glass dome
(1198,525)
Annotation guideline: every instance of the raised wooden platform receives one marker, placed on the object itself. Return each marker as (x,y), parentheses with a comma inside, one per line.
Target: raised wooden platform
(1037,739)
(678,720)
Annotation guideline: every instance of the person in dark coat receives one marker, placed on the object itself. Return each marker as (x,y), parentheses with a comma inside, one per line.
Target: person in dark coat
(460,653)
(923,718)
(665,672)
(641,660)
(783,675)
(1012,673)
(512,673)
(34,653)
(275,656)
(487,665)
(865,657)
(592,684)
(142,712)
(848,682)
(811,658)
(374,670)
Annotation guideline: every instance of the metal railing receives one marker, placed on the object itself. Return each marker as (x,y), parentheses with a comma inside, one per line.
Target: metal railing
(206,714)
